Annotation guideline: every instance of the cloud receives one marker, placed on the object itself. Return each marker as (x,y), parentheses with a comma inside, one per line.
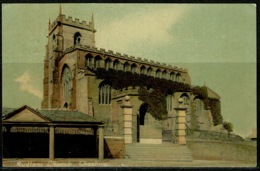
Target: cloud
(26,84)
(149,27)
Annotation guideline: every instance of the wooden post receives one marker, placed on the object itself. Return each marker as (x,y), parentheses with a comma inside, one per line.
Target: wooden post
(101,142)
(51,142)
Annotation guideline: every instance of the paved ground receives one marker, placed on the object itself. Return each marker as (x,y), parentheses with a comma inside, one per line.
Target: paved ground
(82,162)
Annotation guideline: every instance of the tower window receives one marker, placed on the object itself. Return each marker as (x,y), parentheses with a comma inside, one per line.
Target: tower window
(77,38)
(104,93)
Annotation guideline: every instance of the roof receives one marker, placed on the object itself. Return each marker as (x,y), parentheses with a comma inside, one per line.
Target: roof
(6,111)
(67,116)
(50,115)
(212,93)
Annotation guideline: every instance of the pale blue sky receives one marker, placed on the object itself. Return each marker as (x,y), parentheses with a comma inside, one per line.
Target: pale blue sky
(217,43)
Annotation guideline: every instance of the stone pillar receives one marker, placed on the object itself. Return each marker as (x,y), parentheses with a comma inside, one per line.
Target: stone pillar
(101,142)
(181,123)
(127,114)
(51,142)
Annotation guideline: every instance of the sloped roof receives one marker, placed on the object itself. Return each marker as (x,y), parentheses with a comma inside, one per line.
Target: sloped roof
(67,116)
(212,93)
(52,115)
(6,111)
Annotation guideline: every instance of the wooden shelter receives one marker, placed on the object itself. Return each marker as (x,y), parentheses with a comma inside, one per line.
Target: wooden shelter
(26,119)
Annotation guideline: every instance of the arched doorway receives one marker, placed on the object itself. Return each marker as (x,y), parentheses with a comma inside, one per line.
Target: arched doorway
(141,118)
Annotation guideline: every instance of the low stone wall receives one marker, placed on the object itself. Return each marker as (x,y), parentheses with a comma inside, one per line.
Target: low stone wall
(114,147)
(243,151)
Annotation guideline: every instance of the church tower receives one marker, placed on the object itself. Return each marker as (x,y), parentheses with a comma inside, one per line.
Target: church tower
(63,33)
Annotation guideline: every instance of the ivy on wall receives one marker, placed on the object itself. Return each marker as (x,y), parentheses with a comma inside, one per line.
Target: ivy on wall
(209,103)
(154,97)
(154,90)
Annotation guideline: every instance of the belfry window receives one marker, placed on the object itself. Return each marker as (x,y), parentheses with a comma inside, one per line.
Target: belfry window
(77,38)
(104,94)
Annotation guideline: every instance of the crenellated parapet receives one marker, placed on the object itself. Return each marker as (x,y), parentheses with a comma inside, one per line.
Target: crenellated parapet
(129,91)
(127,58)
(72,22)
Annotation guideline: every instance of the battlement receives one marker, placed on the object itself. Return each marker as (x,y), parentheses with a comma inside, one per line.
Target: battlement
(69,21)
(131,90)
(126,57)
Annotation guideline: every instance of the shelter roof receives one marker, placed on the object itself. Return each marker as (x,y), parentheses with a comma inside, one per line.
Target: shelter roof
(28,114)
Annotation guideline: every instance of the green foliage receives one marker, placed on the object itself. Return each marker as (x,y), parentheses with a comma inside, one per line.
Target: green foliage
(155,99)
(209,103)
(160,88)
(228,126)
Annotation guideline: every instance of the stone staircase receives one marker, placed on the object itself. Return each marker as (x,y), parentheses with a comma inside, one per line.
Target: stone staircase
(158,152)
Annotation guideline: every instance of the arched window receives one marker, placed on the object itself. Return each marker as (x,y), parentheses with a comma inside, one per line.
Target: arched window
(149,71)
(104,93)
(77,38)
(98,62)
(169,102)
(158,73)
(142,70)
(66,83)
(126,67)
(108,63)
(89,60)
(133,68)
(186,99)
(172,76)
(178,77)
(164,74)
(116,64)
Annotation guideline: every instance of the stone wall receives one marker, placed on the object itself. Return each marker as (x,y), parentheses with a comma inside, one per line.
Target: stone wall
(114,147)
(223,150)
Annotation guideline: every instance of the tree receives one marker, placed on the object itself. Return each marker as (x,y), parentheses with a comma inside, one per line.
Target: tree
(228,126)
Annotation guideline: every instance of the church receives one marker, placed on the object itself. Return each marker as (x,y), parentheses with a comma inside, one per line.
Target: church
(134,100)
